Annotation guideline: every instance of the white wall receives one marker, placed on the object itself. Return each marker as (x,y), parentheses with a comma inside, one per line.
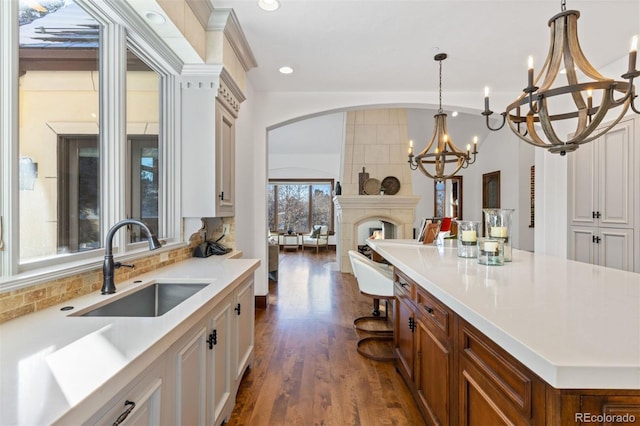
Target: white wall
(272,110)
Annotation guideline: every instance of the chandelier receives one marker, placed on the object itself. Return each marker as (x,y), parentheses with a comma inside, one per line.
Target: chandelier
(588,112)
(446,159)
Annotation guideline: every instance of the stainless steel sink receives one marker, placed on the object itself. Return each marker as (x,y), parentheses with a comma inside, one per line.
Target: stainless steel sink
(151,301)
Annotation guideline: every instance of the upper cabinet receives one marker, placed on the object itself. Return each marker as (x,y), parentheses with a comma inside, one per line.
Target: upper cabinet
(209,112)
(211,95)
(602,196)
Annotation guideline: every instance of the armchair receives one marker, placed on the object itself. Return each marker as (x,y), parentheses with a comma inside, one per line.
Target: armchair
(318,238)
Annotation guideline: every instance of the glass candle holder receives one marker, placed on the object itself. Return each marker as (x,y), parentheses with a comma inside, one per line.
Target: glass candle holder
(498,224)
(468,232)
(491,251)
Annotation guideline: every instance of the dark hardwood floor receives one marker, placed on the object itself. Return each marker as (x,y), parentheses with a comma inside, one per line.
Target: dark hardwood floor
(306,369)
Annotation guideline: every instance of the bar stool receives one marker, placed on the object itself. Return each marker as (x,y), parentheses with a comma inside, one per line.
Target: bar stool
(375,281)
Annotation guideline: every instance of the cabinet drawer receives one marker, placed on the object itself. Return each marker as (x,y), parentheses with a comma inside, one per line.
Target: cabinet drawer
(404,285)
(434,312)
(503,377)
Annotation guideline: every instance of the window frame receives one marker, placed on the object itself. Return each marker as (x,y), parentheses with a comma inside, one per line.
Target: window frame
(310,182)
(121,29)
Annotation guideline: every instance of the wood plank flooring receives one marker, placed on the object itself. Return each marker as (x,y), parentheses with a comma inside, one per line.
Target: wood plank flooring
(306,369)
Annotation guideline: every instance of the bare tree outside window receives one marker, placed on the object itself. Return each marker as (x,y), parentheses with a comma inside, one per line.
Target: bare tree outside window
(298,205)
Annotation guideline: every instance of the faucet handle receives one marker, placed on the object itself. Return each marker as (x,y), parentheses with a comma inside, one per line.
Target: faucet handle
(120,264)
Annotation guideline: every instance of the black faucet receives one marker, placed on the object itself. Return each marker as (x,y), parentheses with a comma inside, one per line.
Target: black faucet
(109,267)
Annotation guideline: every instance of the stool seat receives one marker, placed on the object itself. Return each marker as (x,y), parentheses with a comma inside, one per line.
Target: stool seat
(376,281)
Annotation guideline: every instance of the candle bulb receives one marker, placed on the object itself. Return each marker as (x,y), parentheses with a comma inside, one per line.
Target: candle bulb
(530,72)
(410,146)
(589,100)
(475,144)
(633,52)
(486,98)
(468,150)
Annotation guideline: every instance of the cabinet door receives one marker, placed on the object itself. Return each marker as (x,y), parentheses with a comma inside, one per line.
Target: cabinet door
(583,185)
(600,180)
(190,363)
(219,372)
(225,160)
(615,248)
(244,325)
(582,246)
(404,335)
(615,162)
(433,373)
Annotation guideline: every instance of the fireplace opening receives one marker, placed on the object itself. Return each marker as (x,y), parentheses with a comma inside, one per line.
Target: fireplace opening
(378,229)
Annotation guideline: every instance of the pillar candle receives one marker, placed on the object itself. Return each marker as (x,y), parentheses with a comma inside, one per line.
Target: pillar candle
(498,232)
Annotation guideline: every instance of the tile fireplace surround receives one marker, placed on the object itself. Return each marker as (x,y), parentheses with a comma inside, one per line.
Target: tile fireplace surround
(353,210)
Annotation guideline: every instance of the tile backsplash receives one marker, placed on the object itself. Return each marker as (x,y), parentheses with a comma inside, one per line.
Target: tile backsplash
(16,303)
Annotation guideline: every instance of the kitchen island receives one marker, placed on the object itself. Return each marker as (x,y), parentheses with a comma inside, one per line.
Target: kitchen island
(533,341)
(57,367)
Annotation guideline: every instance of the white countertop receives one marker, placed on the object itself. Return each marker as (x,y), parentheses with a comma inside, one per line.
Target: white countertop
(51,361)
(574,324)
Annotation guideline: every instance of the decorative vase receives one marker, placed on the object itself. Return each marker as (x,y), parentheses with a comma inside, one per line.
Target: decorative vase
(468,232)
(498,224)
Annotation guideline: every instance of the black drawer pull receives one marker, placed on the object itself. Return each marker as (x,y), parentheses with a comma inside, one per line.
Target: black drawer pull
(428,309)
(121,418)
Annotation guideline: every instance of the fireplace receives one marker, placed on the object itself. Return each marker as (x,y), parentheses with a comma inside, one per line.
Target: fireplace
(396,213)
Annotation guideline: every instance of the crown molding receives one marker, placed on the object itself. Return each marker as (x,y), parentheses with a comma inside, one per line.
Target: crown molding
(225,20)
(202,9)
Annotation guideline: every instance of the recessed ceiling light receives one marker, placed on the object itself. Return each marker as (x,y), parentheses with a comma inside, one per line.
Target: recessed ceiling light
(454,114)
(269,5)
(286,70)
(155,17)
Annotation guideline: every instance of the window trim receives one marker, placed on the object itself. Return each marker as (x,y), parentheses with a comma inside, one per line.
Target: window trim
(121,28)
(301,181)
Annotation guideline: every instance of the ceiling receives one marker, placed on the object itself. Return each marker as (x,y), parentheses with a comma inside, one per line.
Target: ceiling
(389,45)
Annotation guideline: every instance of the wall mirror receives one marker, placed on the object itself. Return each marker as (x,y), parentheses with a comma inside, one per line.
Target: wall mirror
(447,198)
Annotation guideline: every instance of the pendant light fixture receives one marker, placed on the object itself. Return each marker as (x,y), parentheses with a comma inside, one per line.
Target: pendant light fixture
(441,159)
(532,110)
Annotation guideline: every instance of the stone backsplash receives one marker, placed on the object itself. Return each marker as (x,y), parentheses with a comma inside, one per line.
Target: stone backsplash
(16,303)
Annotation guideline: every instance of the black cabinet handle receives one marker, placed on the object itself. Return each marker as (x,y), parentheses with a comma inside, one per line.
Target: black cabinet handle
(213,339)
(221,196)
(237,309)
(124,415)
(412,324)
(595,239)
(428,309)
(595,215)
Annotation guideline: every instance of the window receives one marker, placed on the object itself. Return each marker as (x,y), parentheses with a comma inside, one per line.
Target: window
(144,174)
(298,205)
(93,139)
(59,106)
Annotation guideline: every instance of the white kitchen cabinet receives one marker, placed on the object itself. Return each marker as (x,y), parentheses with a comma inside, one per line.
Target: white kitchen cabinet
(140,403)
(219,380)
(612,247)
(602,194)
(189,359)
(210,106)
(209,361)
(244,310)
